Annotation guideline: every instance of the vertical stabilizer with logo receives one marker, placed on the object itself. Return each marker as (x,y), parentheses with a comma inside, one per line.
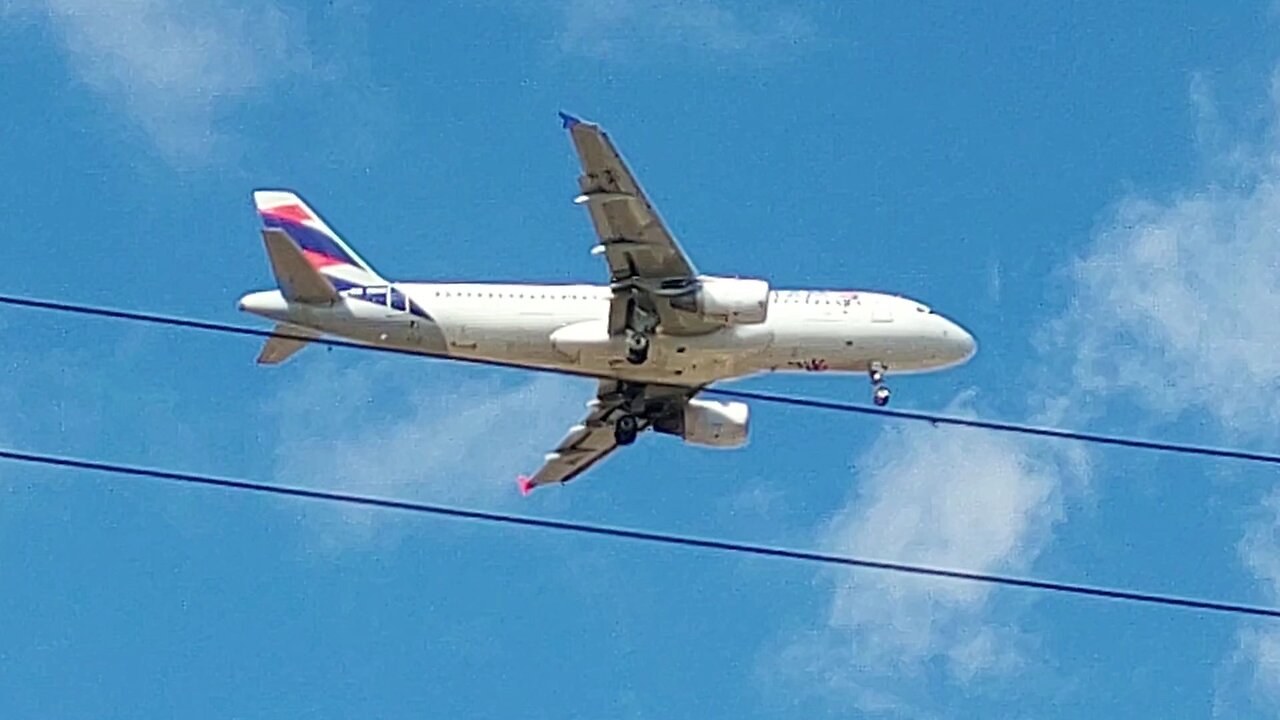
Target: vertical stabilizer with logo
(310,262)
(320,246)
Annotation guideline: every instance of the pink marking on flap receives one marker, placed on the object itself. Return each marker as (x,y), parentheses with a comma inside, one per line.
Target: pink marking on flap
(526,484)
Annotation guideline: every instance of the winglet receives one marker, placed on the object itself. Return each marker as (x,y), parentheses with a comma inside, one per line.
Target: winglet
(526,484)
(570,122)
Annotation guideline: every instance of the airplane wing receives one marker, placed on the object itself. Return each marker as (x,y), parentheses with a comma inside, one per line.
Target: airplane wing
(645,261)
(591,440)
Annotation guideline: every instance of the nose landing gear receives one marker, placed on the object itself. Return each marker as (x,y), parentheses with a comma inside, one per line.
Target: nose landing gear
(880,392)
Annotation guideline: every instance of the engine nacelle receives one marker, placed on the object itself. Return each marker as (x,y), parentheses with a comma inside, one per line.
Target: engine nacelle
(716,424)
(731,301)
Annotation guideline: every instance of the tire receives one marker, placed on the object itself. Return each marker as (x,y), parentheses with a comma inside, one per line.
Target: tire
(881,396)
(625,429)
(637,349)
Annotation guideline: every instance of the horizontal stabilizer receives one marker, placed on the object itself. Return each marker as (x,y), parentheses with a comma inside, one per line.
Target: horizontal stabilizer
(298,280)
(287,340)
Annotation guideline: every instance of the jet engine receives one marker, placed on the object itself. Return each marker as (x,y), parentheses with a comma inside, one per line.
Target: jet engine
(730,301)
(716,424)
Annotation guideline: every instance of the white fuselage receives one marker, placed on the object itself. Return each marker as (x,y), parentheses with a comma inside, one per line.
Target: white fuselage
(565,327)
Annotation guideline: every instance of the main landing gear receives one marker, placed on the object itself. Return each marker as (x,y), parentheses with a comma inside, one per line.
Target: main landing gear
(640,326)
(625,429)
(637,346)
(628,399)
(880,392)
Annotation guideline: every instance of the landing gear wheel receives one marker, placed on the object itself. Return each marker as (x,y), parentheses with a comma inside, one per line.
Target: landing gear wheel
(625,429)
(637,347)
(879,393)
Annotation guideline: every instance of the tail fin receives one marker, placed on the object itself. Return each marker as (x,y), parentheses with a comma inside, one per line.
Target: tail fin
(296,277)
(323,249)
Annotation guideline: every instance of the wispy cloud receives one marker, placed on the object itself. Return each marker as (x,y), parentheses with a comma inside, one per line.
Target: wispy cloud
(175,66)
(632,29)
(948,497)
(1174,309)
(1176,304)
(373,429)
(1252,669)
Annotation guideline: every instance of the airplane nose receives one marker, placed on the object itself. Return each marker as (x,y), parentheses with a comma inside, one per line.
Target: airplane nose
(966,346)
(959,341)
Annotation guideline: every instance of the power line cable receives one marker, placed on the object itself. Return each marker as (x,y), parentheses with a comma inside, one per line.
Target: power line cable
(757,396)
(642,535)
(1000,426)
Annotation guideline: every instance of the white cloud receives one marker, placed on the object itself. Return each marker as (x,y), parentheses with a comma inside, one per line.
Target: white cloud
(1254,667)
(1176,304)
(1250,674)
(175,66)
(946,497)
(376,430)
(651,28)
(1252,670)
(1174,307)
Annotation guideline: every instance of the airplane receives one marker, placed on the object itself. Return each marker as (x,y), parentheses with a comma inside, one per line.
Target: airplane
(655,336)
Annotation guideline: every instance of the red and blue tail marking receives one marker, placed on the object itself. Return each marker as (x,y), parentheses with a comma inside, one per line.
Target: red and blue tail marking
(321,246)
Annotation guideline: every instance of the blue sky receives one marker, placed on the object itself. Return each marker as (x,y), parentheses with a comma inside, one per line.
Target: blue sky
(1093,191)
